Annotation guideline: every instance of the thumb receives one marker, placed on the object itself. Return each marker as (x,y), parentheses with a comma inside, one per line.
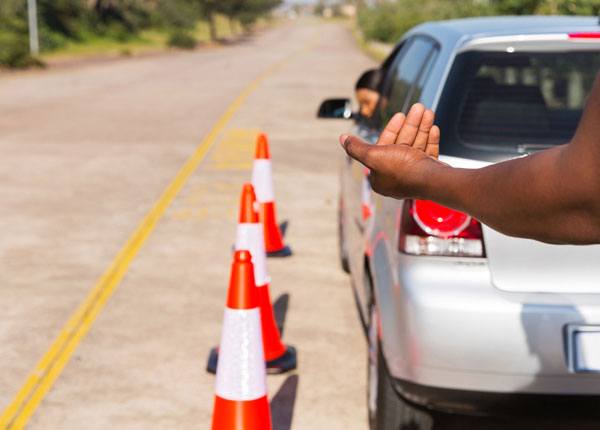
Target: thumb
(356,148)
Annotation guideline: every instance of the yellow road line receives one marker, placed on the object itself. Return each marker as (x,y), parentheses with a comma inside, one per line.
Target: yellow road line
(42,378)
(235,150)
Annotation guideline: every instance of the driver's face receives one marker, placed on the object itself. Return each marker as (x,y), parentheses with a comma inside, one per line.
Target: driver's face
(367,101)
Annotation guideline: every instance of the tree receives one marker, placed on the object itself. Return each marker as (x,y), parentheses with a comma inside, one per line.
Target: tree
(254,9)
(246,11)
(517,7)
(570,7)
(133,15)
(178,14)
(63,16)
(208,9)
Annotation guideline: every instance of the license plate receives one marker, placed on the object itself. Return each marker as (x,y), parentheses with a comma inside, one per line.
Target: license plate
(584,349)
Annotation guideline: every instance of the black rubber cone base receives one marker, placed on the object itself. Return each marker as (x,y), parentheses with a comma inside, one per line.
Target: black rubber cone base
(286,251)
(285,363)
(213,358)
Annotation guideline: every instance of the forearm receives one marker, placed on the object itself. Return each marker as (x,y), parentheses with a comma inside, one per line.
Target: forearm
(515,198)
(552,196)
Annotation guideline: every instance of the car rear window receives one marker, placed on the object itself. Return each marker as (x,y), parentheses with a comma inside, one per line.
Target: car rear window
(503,102)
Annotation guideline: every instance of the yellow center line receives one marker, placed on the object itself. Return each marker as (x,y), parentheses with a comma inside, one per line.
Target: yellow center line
(48,369)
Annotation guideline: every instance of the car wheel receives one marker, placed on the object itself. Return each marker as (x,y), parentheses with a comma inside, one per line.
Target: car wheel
(387,410)
(341,241)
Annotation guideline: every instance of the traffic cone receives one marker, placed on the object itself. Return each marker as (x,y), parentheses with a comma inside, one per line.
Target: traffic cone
(365,200)
(262,179)
(241,390)
(280,358)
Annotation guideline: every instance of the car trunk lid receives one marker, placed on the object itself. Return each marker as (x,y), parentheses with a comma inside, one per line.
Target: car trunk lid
(524,265)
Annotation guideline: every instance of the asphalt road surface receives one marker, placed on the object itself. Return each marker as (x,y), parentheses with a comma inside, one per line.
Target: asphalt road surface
(87,151)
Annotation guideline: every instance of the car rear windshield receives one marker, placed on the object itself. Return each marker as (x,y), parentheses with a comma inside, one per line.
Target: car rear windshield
(502,102)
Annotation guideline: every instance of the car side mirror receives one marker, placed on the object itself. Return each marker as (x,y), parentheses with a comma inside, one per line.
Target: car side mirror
(335,109)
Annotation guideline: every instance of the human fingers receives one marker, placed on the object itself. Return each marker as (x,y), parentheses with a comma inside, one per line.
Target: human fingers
(433,142)
(390,133)
(408,132)
(357,148)
(424,129)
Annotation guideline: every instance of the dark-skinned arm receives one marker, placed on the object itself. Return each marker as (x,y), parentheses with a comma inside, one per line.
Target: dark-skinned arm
(551,196)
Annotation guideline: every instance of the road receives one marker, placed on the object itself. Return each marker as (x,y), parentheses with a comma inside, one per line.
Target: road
(88,150)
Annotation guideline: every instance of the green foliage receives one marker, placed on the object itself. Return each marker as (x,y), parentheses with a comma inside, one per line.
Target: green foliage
(319,7)
(131,15)
(254,9)
(245,11)
(65,17)
(178,14)
(572,7)
(182,39)
(382,23)
(516,7)
(14,51)
(14,42)
(51,40)
(387,21)
(64,22)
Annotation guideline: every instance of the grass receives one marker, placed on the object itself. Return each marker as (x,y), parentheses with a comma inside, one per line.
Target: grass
(146,41)
(104,45)
(376,50)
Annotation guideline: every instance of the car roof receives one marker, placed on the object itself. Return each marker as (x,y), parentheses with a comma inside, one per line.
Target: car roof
(470,28)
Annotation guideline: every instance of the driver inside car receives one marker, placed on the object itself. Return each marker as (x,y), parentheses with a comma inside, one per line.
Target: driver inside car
(367,92)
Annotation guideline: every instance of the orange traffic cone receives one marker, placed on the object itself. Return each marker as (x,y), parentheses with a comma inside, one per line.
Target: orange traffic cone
(262,179)
(280,358)
(241,390)
(365,200)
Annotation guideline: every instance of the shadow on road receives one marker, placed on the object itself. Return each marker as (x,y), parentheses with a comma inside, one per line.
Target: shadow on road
(282,404)
(280,307)
(236,40)
(283,226)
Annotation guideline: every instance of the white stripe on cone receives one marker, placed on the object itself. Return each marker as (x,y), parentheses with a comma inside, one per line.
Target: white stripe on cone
(366,192)
(250,237)
(241,373)
(262,180)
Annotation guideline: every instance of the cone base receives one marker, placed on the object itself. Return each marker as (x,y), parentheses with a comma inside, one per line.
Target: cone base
(288,361)
(213,359)
(286,251)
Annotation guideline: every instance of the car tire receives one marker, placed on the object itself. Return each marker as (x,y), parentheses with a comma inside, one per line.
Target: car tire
(387,409)
(344,261)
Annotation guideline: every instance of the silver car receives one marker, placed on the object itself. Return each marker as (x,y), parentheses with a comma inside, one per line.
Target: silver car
(462,320)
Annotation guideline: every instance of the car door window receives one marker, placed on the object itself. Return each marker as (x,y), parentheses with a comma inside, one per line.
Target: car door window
(401,81)
(415,93)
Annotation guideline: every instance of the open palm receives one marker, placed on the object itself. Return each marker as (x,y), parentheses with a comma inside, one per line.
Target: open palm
(399,160)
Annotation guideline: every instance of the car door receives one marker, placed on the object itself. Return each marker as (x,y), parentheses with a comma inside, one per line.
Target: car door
(399,88)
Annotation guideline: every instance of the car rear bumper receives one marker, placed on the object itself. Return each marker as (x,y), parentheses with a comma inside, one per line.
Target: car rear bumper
(510,405)
(444,325)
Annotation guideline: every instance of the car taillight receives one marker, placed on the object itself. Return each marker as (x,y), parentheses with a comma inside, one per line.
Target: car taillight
(588,35)
(428,228)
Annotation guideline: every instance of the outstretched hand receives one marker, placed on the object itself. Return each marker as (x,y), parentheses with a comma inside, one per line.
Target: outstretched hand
(406,150)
